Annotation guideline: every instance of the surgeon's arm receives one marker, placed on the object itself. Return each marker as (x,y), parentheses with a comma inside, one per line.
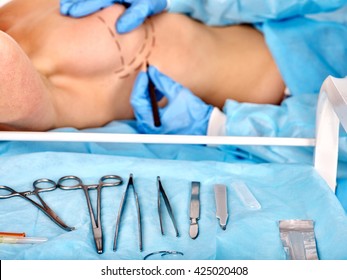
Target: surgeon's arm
(24,98)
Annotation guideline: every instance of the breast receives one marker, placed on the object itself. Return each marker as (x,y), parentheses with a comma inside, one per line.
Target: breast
(81,47)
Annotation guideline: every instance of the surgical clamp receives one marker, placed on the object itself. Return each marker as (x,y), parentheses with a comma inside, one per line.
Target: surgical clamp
(168,207)
(114,180)
(43,207)
(120,212)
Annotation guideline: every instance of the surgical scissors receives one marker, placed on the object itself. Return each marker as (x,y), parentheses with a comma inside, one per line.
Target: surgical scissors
(120,212)
(43,207)
(105,181)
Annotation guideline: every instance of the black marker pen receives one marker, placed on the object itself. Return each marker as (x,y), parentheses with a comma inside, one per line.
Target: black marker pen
(154,103)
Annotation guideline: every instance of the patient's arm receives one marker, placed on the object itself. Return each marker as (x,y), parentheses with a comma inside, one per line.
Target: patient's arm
(25,101)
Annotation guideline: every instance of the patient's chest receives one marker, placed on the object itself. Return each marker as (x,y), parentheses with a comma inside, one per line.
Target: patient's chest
(88,67)
(81,47)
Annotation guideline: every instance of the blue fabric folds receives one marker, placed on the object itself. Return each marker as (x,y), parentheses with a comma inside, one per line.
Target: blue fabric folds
(281,178)
(285,191)
(306,51)
(224,12)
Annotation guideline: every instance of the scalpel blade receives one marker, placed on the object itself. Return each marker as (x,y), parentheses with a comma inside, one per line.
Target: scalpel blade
(220,192)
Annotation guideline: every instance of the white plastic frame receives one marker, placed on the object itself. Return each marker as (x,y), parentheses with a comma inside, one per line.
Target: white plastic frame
(331,110)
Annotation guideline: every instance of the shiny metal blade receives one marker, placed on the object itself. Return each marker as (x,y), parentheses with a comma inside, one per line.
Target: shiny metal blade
(220,192)
(194,230)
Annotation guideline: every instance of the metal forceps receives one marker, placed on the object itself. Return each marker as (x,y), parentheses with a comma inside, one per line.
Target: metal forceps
(120,212)
(168,207)
(105,181)
(39,186)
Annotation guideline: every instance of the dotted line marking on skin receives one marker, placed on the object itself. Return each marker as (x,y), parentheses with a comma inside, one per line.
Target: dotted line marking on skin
(146,34)
(149,42)
(153,39)
(118,46)
(142,48)
(102,19)
(119,71)
(132,61)
(122,60)
(151,25)
(125,76)
(148,55)
(113,35)
(138,67)
(111,32)
(153,32)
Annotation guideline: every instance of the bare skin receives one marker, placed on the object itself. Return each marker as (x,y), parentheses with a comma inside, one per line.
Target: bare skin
(59,71)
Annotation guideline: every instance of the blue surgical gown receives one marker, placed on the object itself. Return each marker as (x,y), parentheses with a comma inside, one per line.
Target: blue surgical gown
(306,43)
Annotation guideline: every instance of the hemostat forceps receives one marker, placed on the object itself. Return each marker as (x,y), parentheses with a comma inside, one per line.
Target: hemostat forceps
(39,185)
(120,212)
(105,181)
(168,207)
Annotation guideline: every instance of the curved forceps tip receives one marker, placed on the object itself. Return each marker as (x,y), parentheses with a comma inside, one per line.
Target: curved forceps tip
(43,206)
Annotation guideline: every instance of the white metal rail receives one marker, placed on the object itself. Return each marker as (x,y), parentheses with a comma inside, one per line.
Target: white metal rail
(331,110)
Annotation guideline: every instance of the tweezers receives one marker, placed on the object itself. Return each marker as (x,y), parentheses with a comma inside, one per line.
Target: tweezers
(168,207)
(120,212)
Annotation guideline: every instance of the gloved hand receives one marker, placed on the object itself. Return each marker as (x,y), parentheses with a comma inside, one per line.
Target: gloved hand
(185,113)
(133,17)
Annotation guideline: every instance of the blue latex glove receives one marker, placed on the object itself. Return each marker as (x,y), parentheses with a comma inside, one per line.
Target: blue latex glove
(185,113)
(133,17)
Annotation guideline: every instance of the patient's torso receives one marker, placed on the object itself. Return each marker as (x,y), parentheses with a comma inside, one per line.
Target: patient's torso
(90,69)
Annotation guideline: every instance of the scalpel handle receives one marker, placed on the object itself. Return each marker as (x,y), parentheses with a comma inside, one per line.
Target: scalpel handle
(194,210)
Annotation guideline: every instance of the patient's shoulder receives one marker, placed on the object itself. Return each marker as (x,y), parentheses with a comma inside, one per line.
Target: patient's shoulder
(25,101)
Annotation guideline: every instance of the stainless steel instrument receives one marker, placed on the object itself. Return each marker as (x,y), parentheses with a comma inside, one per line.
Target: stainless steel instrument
(194,210)
(220,192)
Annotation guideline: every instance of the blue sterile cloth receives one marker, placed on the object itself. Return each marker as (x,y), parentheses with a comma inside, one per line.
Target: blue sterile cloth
(307,50)
(296,117)
(288,188)
(224,12)
(284,192)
